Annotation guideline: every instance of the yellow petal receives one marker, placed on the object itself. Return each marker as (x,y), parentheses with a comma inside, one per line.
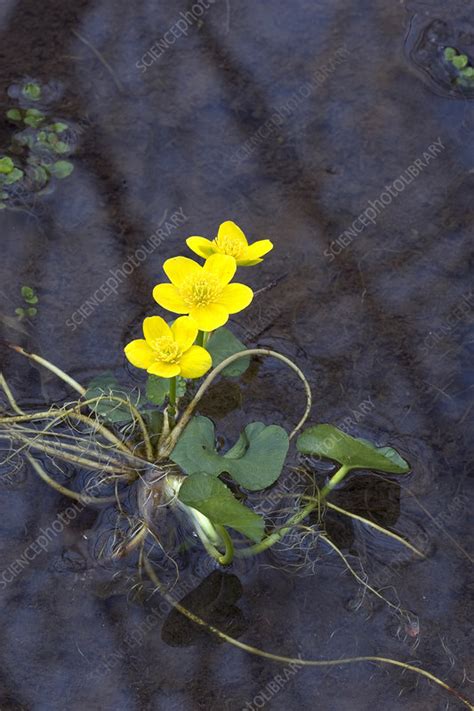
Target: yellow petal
(139,353)
(155,327)
(167,296)
(195,362)
(201,246)
(230,229)
(184,332)
(164,370)
(235,297)
(209,317)
(255,252)
(178,269)
(222,266)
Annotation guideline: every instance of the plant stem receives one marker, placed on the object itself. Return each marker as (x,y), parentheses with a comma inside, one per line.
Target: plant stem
(172,393)
(276,536)
(53,368)
(200,338)
(228,556)
(170,444)
(334,481)
(82,498)
(172,411)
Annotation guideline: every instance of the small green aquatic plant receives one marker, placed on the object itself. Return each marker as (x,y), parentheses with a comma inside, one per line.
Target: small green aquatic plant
(460,62)
(37,150)
(150,447)
(31,300)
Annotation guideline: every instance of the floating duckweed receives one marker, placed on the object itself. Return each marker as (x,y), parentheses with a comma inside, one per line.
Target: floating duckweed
(14,115)
(6,165)
(32,91)
(31,299)
(460,62)
(37,145)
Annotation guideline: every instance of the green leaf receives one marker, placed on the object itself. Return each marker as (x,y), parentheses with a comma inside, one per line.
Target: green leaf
(157,389)
(450,53)
(61,147)
(6,165)
(59,127)
(255,461)
(20,313)
(460,61)
(467,73)
(212,498)
(332,443)
(13,176)
(32,311)
(29,295)
(223,344)
(61,169)
(111,410)
(32,91)
(33,119)
(14,115)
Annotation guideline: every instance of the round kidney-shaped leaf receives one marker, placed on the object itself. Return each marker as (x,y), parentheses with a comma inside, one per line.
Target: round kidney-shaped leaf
(255,461)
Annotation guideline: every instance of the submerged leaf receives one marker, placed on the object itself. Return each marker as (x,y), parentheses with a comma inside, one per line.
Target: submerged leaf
(332,443)
(111,410)
(214,600)
(14,176)
(212,498)
(255,461)
(223,344)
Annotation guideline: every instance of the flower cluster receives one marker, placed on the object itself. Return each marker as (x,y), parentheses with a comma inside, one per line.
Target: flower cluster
(204,296)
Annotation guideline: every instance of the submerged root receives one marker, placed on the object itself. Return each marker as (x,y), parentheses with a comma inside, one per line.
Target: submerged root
(291,660)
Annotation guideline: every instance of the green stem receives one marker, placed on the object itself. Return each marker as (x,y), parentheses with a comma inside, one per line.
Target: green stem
(334,481)
(228,556)
(276,536)
(172,393)
(169,444)
(200,338)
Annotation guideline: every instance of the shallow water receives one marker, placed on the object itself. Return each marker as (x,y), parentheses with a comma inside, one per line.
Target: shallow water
(385,319)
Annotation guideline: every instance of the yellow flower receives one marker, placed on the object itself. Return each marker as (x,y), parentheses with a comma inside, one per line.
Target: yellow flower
(203,292)
(231,240)
(168,351)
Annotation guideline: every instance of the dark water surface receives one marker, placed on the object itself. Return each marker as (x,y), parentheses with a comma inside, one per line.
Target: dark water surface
(357,93)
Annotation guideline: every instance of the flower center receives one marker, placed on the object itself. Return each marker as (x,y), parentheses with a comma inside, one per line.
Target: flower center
(229,245)
(201,290)
(167,350)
